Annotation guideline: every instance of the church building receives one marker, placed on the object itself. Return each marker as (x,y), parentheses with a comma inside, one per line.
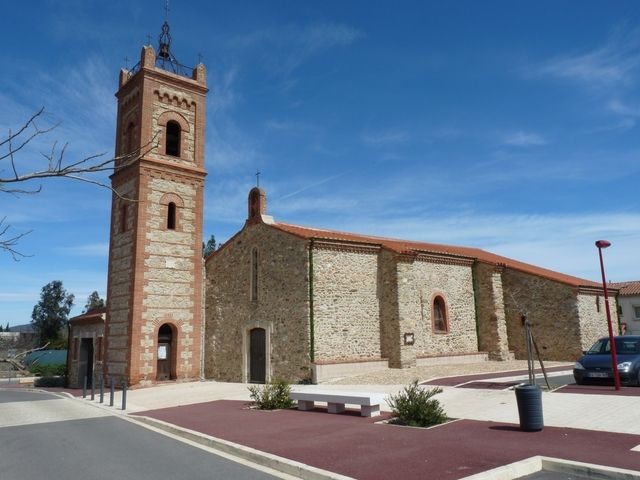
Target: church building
(302,303)
(285,301)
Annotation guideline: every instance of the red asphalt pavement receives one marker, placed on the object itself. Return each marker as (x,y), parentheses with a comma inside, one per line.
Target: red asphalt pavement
(358,447)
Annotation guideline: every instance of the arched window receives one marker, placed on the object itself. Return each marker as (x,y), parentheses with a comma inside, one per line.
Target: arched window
(172,146)
(171,216)
(130,140)
(123,218)
(440,324)
(254,274)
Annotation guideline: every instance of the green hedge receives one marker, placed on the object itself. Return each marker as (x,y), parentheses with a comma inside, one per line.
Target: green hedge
(48,370)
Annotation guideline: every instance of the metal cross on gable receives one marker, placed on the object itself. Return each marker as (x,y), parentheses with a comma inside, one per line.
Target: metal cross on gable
(148,39)
(257,178)
(126,63)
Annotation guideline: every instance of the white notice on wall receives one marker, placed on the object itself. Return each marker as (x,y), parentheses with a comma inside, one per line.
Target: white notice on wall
(162,352)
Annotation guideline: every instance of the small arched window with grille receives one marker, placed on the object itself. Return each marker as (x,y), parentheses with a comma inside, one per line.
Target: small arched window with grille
(439,318)
(171,216)
(172,146)
(254,274)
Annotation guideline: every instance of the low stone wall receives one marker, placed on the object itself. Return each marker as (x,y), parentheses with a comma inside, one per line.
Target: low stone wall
(324,372)
(452,359)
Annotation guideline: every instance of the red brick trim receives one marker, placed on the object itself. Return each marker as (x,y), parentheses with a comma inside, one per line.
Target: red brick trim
(320,244)
(444,259)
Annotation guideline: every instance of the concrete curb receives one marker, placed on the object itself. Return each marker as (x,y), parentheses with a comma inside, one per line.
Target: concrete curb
(275,462)
(548,464)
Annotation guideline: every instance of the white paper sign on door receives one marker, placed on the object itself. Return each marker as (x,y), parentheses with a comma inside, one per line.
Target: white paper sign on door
(162,352)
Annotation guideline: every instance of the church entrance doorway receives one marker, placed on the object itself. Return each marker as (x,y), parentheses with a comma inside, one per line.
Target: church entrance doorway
(85,360)
(257,355)
(166,354)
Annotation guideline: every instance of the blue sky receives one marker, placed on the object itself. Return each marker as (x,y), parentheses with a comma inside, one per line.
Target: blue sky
(509,126)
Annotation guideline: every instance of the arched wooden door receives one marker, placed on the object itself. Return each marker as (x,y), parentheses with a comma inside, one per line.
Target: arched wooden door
(166,368)
(257,355)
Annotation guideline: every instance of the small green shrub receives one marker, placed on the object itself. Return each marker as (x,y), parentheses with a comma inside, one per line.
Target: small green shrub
(50,382)
(48,370)
(271,396)
(415,407)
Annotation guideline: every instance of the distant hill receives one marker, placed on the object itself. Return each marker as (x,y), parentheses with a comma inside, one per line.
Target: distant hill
(27,328)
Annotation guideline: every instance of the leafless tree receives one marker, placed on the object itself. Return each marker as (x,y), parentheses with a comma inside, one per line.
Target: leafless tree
(14,177)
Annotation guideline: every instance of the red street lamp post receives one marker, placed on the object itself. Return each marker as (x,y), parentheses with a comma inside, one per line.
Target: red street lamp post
(614,358)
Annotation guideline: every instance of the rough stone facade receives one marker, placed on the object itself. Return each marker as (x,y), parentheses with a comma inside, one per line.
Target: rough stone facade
(491,318)
(562,320)
(593,318)
(281,306)
(346,304)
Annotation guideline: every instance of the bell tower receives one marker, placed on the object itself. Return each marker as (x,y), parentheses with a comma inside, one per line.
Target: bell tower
(154,291)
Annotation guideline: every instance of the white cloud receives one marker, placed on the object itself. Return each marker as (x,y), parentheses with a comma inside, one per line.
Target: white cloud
(612,64)
(524,139)
(282,49)
(384,137)
(100,249)
(621,108)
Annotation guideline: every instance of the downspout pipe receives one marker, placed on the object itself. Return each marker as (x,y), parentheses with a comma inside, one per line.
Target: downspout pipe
(311,325)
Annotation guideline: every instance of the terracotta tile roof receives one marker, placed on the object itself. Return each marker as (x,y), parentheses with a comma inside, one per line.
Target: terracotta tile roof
(95,314)
(628,288)
(406,246)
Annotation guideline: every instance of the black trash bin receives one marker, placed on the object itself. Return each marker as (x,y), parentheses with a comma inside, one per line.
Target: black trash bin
(529,398)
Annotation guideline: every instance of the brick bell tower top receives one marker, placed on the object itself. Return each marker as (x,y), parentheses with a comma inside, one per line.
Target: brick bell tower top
(154,321)
(142,87)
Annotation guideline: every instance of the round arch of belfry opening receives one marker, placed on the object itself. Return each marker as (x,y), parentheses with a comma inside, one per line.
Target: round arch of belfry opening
(166,355)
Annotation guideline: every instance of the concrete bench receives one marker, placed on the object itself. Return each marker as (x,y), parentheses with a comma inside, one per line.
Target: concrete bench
(369,403)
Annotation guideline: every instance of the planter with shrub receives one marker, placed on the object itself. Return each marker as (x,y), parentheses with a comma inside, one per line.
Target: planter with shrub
(415,406)
(271,396)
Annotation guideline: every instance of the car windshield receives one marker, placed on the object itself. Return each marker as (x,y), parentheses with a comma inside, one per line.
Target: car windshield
(623,346)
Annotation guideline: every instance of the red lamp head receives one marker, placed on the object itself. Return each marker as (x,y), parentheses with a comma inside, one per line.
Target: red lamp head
(603,243)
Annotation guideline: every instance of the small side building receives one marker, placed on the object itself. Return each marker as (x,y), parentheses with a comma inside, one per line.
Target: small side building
(304,304)
(86,347)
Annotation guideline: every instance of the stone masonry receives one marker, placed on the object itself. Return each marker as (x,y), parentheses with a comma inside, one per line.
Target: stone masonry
(155,267)
(281,306)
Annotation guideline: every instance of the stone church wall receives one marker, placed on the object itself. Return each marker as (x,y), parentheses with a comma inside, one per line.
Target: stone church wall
(491,319)
(346,304)
(282,305)
(455,284)
(593,318)
(552,309)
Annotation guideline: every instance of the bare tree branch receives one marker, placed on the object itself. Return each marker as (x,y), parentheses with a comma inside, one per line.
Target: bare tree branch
(83,169)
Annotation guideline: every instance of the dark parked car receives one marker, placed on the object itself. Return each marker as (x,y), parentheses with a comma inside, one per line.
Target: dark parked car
(596,364)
